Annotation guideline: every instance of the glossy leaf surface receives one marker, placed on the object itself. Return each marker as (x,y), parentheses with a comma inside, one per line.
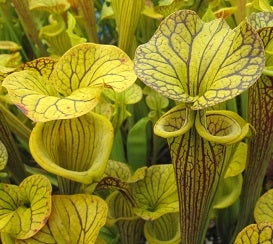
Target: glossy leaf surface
(175,122)
(201,63)
(156,194)
(228,192)
(77,149)
(201,147)
(263,22)
(24,209)
(74,219)
(119,208)
(164,230)
(75,82)
(260,116)
(256,233)
(263,211)
(92,64)
(238,161)
(117,170)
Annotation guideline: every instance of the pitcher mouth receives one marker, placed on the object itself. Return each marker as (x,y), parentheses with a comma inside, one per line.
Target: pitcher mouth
(220,126)
(76,149)
(175,122)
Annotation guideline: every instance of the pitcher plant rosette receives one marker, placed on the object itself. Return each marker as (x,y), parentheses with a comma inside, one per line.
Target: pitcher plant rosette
(260,115)
(69,140)
(199,65)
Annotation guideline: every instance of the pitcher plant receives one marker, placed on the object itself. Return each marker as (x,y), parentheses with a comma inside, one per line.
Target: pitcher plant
(199,65)
(69,140)
(260,115)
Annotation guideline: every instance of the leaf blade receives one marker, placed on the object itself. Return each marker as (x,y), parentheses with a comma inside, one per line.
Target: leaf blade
(201,63)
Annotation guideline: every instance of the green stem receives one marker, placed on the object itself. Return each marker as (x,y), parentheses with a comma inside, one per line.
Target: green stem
(29,26)
(15,165)
(88,11)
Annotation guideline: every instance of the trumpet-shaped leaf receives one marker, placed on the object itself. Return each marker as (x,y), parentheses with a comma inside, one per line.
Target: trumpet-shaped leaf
(255,233)
(71,87)
(200,63)
(24,209)
(74,219)
(127,13)
(263,211)
(77,149)
(156,194)
(117,176)
(201,147)
(3,156)
(164,230)
(117,170)
(52,6)
(59,37)
(260,115)
(119,208)
(121,212)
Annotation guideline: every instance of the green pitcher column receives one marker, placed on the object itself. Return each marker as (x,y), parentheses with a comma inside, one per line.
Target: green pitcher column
(199,65)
